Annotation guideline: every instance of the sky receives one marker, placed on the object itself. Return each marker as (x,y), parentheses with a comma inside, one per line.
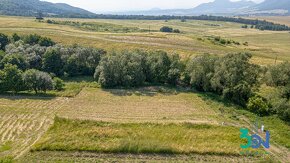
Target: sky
(99,6)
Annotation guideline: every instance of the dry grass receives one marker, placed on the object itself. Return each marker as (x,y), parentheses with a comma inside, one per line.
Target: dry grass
(265,45)
(144,104)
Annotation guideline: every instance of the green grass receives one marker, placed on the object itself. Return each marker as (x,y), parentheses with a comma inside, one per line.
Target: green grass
(6,146)
(140,138)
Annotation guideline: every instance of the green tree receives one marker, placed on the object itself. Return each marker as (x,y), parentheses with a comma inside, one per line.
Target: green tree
(4,40)
(15,37)
(200,71)
(175,70)
(14,59)
(44,41)
(235,77)
(11,78)
(157,67)
(58,84)
(52,62)
(278,75)
(37,80)
(120,69)
(258,105)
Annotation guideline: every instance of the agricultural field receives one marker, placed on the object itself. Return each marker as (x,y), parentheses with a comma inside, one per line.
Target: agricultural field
(192,40)
(86,123)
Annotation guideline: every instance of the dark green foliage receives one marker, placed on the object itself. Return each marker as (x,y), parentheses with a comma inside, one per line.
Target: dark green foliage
(120,69)
(11,79)
(52,61)
(245,26)
(44,41)
(15,37)
(278,75)
(83,61)
(235,77)
(166,29)
(157,67)
(200,70)
(14,59)
(37,80)
(58,84)
(176,69)
(4,40)
(258,105)
(33,39)
(176,31)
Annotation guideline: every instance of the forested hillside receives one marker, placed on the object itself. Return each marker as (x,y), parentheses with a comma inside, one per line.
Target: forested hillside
(32,7)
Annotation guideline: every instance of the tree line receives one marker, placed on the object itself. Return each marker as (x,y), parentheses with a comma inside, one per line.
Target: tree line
(27,63)
(259,24)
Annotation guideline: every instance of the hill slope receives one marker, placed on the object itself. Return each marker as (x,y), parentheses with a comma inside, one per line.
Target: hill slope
(31,7)
(222,6)
(274,5)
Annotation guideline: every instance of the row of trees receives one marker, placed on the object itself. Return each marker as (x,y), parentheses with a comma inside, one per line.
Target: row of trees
(14,80)
(259,24)
(134,68)
(31,67)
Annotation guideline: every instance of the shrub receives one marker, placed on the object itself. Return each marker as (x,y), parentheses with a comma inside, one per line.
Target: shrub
(58,84)
(176,31)
(166,29)
(3,41)
(258,105)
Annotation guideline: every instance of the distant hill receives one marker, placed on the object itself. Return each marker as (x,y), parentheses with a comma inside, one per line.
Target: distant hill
(223,7)
(274,5)
(31,7)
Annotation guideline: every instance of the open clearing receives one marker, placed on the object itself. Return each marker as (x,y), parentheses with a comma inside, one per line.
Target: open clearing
(91,112)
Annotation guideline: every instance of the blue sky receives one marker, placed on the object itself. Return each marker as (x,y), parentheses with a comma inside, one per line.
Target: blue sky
(129,5)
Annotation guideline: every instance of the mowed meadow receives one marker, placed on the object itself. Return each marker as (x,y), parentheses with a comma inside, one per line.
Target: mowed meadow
(85,123)
(192,40)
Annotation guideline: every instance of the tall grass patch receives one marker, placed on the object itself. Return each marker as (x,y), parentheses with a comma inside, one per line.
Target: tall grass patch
(139,138)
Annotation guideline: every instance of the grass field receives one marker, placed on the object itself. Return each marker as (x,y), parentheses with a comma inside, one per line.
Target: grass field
(95,122)
(191,41)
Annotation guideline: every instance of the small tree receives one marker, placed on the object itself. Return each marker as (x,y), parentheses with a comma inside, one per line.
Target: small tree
(258,105)
(58,84)
(3,41)
(15,37)
(52,62)
(38,80)
(11,78)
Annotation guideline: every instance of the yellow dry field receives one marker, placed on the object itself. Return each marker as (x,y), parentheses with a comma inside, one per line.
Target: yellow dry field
(266,46)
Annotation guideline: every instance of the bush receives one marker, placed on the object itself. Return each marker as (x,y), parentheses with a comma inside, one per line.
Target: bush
(176,31)
(3,41)
(258,105)
(58,84)
(166,29)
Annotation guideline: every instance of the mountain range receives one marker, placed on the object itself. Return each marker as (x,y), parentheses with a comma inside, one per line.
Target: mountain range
(218,7)
(31,7)
(225,7)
